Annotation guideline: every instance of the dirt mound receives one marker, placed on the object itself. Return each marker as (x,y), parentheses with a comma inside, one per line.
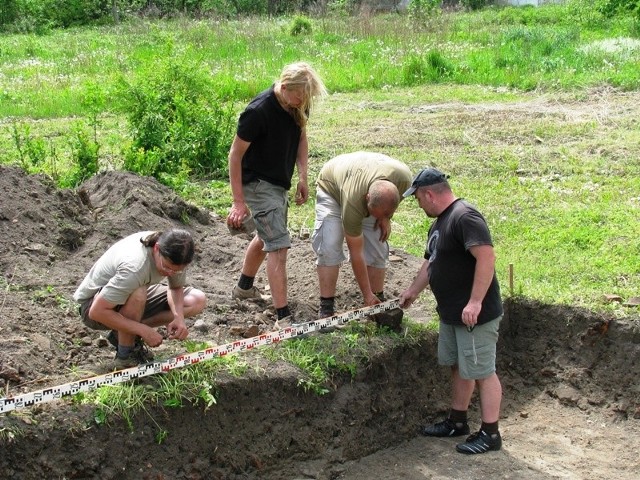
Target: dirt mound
(263,425)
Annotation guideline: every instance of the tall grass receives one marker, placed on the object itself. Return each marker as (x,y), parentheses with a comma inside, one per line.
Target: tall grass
(44,76)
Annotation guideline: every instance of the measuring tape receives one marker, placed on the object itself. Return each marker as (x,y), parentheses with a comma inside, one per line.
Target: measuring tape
(54,393)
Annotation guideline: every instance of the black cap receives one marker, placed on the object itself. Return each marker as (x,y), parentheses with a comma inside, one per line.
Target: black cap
(426,177)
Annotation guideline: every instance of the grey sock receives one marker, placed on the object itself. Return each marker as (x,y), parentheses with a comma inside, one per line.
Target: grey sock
(124,351)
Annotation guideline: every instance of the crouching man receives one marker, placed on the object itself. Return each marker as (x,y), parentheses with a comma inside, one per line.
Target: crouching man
(125,292)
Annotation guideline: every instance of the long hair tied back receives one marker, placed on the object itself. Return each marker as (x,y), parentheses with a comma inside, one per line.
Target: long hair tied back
(176,245)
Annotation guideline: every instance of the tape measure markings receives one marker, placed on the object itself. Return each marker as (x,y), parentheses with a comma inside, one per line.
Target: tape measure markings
(54,393)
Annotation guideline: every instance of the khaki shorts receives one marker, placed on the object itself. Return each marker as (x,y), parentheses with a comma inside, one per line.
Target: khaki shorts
(156,302)
(474,352)
(269,206)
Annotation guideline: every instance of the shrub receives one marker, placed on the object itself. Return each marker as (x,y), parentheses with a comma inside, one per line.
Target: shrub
(610,8)
(41,15)
(9,11)
(32,150)
(84,152)
(342,7)
(422,9)
(177,122)
(474,4)
(300,25)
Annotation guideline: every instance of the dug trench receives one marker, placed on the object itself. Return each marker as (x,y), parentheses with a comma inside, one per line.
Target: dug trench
(264,424)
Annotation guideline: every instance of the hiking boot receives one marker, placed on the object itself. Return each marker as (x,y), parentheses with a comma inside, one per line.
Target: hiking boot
(121,363)
(480,442)
(284,322)
(325,312)
(139,355)
(141,352)
(250,294)
(446,428)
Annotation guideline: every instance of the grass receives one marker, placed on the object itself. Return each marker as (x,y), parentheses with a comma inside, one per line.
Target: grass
(533,113)
(319,358)
(557,184)
(502,99)
(46,76)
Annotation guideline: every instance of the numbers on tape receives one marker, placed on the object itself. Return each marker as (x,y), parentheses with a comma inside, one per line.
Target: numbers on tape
(54,393)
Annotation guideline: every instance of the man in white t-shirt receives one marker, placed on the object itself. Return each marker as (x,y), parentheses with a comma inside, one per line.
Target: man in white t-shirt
(124,292)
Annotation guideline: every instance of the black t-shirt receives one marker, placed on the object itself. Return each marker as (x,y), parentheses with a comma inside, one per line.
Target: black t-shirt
(452,267)
(274,138)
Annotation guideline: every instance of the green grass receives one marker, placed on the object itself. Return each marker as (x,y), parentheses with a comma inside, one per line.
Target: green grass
(320,359)
(45,76)
(502,99)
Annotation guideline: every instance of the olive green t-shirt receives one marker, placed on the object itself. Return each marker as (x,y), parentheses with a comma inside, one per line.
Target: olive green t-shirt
(347,179)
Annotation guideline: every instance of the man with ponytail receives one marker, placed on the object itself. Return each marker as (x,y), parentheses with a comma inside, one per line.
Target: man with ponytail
(125,292)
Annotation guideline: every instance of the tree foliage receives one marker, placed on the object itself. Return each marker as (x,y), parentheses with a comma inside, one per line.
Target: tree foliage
(41,15)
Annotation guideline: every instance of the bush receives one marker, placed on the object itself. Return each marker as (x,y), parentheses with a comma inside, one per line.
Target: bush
(422,9)
(300,25)
(40,15)
(32,150)
(342,7)
(177,122)
(9,11)
(84,152)
(611,8)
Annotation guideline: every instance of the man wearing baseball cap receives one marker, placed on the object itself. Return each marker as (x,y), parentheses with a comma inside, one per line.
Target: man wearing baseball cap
(460,269)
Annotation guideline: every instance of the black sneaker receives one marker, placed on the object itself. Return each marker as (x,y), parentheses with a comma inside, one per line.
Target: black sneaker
(480,442)
(446,428)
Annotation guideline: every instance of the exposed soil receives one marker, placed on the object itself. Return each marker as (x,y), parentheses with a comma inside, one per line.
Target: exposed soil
(571,405)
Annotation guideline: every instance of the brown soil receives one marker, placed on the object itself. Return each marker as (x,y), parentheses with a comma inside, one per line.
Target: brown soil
(570,377)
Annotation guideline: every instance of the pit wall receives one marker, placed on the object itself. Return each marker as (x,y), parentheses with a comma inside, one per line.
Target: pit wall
(265,426)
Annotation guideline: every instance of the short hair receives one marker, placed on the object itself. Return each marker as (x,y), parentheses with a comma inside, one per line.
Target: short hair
(383,194)
(176,245)
(301,76)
